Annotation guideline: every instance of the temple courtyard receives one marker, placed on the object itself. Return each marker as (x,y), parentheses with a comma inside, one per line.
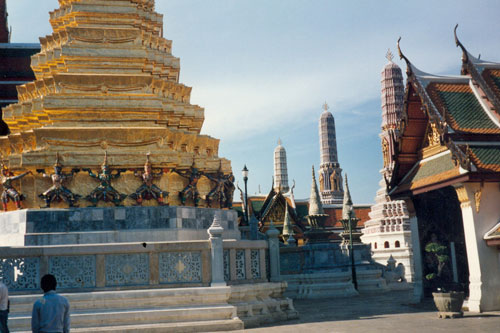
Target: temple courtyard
(389,312)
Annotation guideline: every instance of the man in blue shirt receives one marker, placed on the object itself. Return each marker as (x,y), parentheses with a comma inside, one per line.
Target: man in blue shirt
(51,313)
(4,308)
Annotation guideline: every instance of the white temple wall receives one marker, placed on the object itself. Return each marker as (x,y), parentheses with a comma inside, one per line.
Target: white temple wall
(480,213)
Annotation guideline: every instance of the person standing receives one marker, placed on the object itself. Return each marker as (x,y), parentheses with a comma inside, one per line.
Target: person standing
(4,308)
(51,312)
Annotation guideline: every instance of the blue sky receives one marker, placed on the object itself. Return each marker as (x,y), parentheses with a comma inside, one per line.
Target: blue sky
(263,68)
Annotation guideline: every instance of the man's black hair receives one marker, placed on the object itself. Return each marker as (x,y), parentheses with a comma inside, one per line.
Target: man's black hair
(48,282)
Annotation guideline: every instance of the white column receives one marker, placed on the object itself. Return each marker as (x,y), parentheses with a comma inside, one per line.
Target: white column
(217,252)
(480,212)
(418,288)
(274,252)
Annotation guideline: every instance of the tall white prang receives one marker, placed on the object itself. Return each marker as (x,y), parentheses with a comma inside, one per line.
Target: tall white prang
(330,173)
(280,169)
(388,230)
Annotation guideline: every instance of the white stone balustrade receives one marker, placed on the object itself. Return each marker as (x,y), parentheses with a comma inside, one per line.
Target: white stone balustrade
(131,265)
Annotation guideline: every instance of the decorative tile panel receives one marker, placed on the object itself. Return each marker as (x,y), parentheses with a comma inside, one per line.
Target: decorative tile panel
(290,262)
(180,267)
(227,269)
(73,271)
(127,269)
(255,264)
(240,265)
(20,273)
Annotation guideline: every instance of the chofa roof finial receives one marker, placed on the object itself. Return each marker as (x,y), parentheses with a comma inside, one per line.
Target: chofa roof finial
(465,54)
(402,56)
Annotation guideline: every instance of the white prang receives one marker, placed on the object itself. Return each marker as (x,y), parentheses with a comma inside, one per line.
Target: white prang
(280,169)
(330,173)
(388,230)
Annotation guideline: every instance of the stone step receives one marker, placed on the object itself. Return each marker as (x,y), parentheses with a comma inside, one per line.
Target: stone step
(146,298)
(195,326)
(88,319)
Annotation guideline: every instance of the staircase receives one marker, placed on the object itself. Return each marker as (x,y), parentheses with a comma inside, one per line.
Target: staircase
(152,310)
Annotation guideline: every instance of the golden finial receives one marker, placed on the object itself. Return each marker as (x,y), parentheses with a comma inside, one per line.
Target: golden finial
(279,142)
(325,106)
(389,55)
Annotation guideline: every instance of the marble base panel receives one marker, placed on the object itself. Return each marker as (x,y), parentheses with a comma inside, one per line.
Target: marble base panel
(111,225)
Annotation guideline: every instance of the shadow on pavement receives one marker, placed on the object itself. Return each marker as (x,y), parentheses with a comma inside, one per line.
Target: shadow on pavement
(363,307)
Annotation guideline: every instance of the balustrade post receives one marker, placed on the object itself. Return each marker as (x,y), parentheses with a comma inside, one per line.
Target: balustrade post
(217,251)
(274,252)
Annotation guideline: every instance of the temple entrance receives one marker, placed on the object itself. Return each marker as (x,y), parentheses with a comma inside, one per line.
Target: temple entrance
(440,220)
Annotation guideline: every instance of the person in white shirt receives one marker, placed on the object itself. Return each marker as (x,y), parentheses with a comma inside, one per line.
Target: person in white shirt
(51,313)
(4,308)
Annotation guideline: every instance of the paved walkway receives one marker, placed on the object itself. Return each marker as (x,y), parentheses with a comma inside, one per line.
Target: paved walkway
(390,312)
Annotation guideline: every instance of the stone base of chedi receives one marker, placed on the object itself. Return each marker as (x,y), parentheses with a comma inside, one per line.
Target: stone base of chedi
(107,82)
(31,227)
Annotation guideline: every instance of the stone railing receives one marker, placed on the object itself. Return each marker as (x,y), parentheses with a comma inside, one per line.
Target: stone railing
(132,265)
(245,261)
(321,257)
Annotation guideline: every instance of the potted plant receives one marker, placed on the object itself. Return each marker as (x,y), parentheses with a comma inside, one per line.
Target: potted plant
(449,303)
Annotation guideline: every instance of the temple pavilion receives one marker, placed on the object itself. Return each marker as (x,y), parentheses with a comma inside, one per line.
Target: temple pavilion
(447,169)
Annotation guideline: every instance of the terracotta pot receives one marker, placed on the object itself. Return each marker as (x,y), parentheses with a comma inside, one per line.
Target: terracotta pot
(449,305)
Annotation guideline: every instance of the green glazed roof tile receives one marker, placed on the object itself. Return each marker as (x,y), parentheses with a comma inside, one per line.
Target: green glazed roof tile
(465,109)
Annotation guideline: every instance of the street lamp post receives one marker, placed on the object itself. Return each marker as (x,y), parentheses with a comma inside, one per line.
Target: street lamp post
(245,179)
(351,253)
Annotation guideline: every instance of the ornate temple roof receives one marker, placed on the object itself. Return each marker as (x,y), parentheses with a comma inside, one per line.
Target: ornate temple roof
(457,137)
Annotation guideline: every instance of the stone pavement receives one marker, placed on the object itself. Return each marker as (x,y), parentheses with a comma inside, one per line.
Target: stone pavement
(389,312)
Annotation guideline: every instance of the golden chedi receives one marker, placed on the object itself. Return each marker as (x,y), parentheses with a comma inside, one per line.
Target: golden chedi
(108,84)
